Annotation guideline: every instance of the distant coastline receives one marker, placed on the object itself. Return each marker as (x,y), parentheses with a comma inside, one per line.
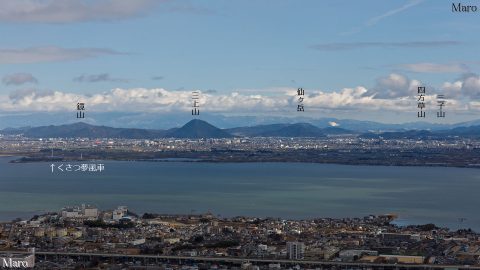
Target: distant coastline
(306,156)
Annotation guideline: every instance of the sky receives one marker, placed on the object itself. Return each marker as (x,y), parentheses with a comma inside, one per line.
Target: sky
(354,59)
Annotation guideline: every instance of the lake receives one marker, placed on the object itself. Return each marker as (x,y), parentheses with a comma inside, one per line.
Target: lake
(288,190)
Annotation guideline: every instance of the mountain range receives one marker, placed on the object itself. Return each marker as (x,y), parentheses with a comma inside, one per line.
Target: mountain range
(193,129)
(472,132)
(164,121)
(196,129)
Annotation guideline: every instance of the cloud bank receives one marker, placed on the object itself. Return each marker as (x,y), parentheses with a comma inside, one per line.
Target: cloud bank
(394,92)
(67,11)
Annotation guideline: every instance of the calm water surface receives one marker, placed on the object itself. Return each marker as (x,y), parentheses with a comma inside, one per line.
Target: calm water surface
(288,190)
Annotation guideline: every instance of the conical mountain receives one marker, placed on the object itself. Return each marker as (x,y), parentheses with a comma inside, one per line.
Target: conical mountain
(197,129)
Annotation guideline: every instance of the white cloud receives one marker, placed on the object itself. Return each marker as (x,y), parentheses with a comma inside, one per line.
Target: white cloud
(159,99)
(471,86)
(66,11)
(136,99)
(397,95)
(452,89)
(50,54)
(467,86)
(333,124)
(394,86)
(474,105)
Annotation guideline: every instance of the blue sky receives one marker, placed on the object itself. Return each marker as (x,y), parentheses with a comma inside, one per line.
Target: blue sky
(251,53)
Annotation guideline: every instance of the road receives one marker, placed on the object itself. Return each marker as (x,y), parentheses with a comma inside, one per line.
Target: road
(251,260)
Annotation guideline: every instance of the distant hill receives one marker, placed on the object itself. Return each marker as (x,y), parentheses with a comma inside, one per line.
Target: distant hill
(193,129)
(83,130)
(201,129)
(164,121)
(14,130)
(197,129)
(464,132)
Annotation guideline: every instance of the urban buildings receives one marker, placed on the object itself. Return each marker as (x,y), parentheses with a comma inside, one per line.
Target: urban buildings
(295,250)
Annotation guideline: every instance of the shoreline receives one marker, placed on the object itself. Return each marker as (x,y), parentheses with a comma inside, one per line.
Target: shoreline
(193,160)
(393,218)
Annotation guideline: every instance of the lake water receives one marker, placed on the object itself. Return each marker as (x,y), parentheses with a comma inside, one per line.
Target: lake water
(287,190)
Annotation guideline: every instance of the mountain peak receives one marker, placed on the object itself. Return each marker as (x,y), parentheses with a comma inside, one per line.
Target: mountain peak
(197,122)
(78,124)
(197,129)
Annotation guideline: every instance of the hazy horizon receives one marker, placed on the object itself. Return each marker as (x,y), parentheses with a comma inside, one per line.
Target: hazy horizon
(171,120)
